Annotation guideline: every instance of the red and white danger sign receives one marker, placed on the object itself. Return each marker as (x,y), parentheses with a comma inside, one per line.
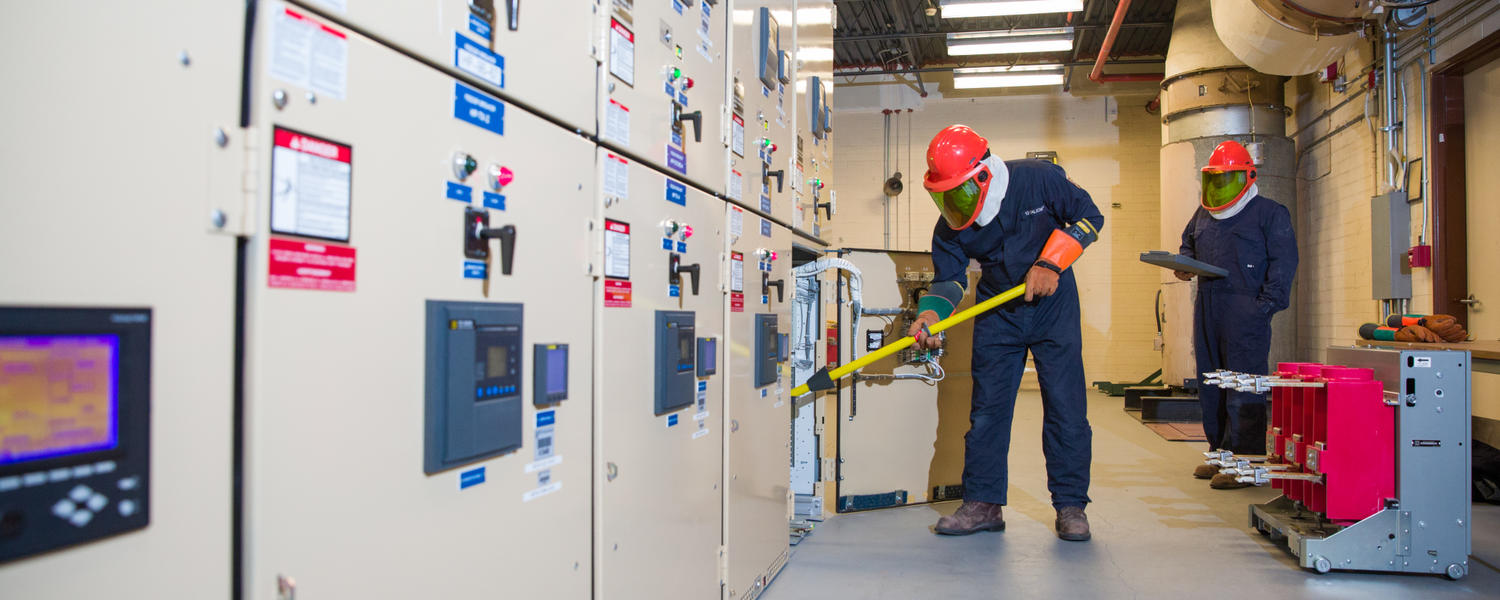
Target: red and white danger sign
(310,186)
(296,264)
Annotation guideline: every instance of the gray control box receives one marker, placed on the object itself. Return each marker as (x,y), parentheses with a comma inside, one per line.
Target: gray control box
(676,345)
(767,349)
(768,49)
(474,405)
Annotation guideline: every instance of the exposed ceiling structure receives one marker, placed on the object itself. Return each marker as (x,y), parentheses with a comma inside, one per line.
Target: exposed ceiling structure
(887,37)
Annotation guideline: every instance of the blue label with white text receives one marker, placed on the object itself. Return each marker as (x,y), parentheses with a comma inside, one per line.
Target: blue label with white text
(666,244)
(765,228)
(493,200)
(676,160)
(460,192)
(682,247)
(478,108)
(671,420)
(765,203)
(546,417)
(478,60)
(676,192)
(479,27)
(470,478)
(474,269)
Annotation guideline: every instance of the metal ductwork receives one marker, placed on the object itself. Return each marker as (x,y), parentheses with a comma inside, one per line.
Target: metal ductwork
(1283,37)
(1209,96)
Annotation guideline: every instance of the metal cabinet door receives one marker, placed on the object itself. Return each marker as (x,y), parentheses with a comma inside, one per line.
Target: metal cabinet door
(761,116)
(657,492)
(758,417)
(337,498)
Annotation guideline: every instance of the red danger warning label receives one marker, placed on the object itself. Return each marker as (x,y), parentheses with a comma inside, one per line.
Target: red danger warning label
(617,293)
(296,264)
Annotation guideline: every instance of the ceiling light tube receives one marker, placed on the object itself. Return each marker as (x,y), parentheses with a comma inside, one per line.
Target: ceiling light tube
(1017,76)
(1057,39)
(959,9)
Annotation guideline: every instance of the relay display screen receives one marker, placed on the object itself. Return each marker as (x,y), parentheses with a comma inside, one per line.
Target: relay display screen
(557,369)
(58,395)
(497,362)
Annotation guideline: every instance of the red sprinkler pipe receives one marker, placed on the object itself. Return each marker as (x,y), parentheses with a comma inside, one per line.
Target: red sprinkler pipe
(1097,75)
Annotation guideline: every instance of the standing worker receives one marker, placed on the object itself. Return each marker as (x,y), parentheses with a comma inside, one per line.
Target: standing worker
(1251,237)
(1023,220)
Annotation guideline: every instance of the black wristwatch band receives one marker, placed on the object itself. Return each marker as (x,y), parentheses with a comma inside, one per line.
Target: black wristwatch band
(1048,265)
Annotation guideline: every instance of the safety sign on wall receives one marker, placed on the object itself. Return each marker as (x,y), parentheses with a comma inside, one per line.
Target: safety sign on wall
(300,264)
(307,53)
(621,52)
(310,185)
(736,282)
(617,288)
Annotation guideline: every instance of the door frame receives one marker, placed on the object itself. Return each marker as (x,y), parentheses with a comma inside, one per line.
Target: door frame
(1450,264)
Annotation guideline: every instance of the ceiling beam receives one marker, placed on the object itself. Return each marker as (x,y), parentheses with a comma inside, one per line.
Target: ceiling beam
(949,69)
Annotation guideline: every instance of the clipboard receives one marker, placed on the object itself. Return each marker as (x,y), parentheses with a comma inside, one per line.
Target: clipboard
(1178,262)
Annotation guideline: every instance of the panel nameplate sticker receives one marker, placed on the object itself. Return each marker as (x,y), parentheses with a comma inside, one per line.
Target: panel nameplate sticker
(737,134)
(478,108)
(617,122)
(479,27)
(475,269)
(676,160)
(460,192)
(478,61)
(672,420)
(307,53)
(616,177)
(765,227)
(470,478)
(493,200)
(676,194)
(541,491)
(736,272)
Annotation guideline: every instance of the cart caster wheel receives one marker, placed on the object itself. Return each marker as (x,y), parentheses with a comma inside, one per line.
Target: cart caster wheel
(1456,571)
(1322,566)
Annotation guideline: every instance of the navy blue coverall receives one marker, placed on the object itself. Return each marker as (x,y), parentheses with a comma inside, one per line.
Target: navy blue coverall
(1232,318)
(1038,200)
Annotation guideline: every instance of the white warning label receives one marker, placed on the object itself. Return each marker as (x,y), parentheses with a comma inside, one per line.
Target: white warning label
(308,54)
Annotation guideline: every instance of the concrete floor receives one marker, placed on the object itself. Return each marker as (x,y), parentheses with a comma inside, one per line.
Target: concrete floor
(1158,533)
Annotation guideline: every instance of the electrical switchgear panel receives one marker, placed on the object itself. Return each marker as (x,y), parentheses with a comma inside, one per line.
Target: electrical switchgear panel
(768,39)
(708,356)
(474,406)
(767,349)
(75,427)
(549,376)
(675,365)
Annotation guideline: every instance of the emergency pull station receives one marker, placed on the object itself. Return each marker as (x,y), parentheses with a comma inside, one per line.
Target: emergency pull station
(477,236)
(473,407)
(767,349)
(675,364)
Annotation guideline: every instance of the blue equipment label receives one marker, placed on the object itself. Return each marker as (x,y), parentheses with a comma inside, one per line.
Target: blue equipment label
(493,200)
(676,139)
(765,228)
(470,478)
(674,291)
(676,193)
(677,6)
(546,417)
(682,247)
(479,27)
(666,244)
(460,192)
(676,160)
(478,108)
(765,203)
(474,269)
(478,61)
(671,420)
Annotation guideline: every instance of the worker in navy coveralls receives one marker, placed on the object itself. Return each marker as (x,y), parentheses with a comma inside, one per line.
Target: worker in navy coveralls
(1023,221)
(1251,237)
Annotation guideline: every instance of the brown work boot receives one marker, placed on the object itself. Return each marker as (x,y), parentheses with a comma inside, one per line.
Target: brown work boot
(972,517)
(1072,524)
(1205,471)
(1225,481)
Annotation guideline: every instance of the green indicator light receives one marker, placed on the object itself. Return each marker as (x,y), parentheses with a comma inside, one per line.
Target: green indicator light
(676,72)
(470,165)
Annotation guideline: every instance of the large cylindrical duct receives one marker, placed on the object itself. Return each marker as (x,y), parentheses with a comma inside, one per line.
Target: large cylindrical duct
(1209,96)
(1286,37)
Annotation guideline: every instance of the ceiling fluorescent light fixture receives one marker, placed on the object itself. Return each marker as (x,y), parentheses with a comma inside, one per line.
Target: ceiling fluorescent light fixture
(1017,76)
(1056,39)
(959,9)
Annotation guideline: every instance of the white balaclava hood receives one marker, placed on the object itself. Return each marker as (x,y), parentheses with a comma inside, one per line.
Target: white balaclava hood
(1000,179)
(1250,194)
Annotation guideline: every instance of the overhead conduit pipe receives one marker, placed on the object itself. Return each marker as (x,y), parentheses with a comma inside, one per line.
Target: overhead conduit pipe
(1097,74)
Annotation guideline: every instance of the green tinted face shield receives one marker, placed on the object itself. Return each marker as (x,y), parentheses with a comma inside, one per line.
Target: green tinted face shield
(1221,188)
(959,204)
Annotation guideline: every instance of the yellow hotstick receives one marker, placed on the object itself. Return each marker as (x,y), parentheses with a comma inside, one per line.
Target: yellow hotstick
(823,379)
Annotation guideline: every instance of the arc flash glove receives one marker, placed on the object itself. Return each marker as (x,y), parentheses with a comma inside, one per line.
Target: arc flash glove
(1445,326)
(1409,333)
(1062,248)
